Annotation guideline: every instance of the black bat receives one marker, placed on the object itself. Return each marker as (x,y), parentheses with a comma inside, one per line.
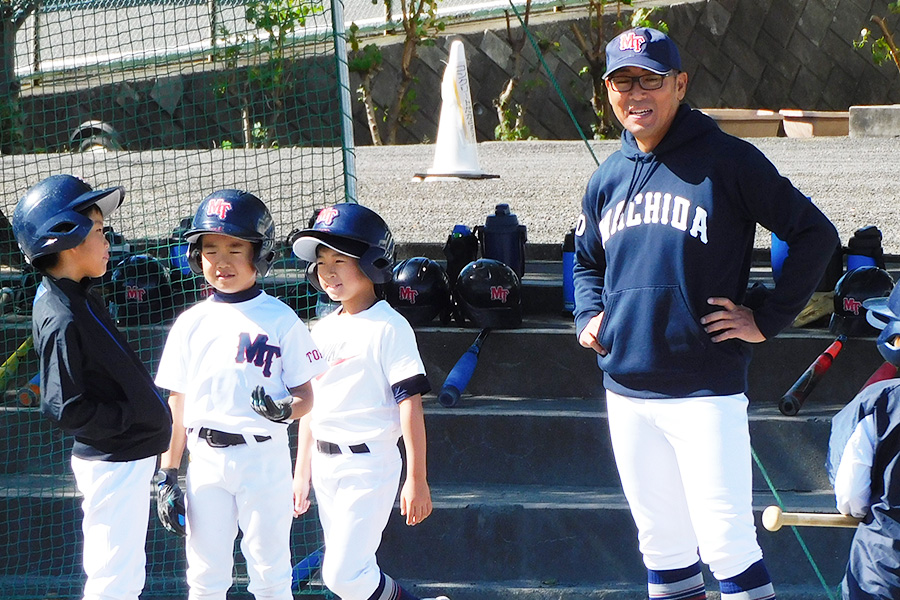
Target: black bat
(461,373)
(792,401)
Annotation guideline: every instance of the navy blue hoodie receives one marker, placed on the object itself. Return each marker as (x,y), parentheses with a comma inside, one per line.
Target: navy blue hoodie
(661,232)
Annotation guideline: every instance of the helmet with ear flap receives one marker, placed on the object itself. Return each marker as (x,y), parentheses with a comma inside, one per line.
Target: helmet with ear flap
(237,214)
(351,229)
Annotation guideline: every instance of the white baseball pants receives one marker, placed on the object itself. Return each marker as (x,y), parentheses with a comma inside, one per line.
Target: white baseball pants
(116,509)
(355,494)
(686,470)
(247,486)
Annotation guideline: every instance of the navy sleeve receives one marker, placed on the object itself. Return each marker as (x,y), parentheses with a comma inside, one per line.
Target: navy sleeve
(590,258)
(417,384)
(778,206)
(65,396)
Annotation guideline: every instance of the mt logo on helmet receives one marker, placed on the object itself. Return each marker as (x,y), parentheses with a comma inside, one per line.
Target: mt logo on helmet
(218,207)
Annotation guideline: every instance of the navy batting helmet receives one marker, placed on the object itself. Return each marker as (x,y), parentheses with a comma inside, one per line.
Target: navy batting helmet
(237,214)
(353,230)
(142,291)
(47,219)
(488,294)
(888,311)
(419,290)
(851,291)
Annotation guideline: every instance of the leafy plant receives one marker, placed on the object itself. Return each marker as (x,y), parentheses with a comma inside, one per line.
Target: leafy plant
(279,19)
(883,48)
(420,24)
(511,114)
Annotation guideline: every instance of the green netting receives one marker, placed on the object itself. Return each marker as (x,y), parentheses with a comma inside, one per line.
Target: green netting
(171,100)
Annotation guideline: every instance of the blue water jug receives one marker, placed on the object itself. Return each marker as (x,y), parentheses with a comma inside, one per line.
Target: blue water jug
(778,253)
(568,267)
(503,239)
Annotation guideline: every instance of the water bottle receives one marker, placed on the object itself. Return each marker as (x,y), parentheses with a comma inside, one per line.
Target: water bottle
(178,259)
(778,253)
(503,239)
(461,249)
(864,249)
(568,267)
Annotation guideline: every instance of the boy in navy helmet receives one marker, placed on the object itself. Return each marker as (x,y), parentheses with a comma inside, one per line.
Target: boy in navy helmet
(238,367)
(864,465)
(93,385)
(370,396)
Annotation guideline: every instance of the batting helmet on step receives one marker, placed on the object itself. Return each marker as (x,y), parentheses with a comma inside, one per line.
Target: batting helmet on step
(237,214)
(888,311)
(419,290)
(488,294)
(142,291)
(350,229)
(851,291)
(48,217)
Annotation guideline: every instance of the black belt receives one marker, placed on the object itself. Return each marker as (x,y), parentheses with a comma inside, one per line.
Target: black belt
(329,448)
(221,439)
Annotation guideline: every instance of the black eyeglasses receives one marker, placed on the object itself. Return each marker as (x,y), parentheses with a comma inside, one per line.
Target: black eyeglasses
(649,82)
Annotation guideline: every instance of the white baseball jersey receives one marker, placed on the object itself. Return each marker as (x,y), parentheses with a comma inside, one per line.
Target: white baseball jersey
(218,352)
(367,353)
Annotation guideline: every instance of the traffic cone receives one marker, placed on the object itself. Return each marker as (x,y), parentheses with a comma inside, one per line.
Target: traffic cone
(456,153)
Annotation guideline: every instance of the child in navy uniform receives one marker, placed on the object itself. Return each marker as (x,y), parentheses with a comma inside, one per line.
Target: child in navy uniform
(238,366)
(369,397)
(93,385)
(864,463)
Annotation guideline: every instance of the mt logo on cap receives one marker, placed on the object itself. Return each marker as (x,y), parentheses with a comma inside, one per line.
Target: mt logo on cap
(642,47)
(631,41)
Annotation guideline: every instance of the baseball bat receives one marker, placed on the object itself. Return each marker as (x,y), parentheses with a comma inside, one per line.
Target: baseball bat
(774,519)
(304,570)
(882,373)
(461,373)
(791,402)
(9,366)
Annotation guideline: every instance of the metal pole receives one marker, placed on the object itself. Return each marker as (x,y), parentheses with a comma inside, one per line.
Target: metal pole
(36,62)
(340,55)
(213,24)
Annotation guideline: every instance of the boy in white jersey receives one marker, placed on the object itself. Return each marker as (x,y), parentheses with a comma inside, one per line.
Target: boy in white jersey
(221,358)
(370,395)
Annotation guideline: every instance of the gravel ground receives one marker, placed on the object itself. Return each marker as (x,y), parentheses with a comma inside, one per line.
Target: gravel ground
(853,180)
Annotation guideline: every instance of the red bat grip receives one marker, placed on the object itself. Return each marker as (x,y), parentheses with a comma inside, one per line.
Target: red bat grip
(791,402)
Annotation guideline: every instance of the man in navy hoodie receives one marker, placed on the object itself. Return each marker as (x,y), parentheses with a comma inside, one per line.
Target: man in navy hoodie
(663,249)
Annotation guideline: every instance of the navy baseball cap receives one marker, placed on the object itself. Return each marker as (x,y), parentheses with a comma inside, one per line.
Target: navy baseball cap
(642,47)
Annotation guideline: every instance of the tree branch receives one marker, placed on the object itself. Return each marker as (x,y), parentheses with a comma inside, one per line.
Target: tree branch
(889,40)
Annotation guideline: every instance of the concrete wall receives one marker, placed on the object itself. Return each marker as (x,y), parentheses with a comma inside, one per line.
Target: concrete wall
(739,53)
(769,54)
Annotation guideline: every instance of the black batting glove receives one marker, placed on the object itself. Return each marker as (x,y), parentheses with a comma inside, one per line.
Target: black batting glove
(170,501)
(274,411)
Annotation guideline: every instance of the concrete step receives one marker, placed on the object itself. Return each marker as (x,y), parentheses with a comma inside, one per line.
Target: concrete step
(573,536)
(527,441)
(556,537)
(543,360)
(485,440)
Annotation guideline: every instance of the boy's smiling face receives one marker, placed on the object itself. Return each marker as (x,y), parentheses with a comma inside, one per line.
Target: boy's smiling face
(227,262)
(343,280)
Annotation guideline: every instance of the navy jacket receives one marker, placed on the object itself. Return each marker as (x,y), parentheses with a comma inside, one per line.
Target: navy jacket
(873,570)
(93,385)
(661,232)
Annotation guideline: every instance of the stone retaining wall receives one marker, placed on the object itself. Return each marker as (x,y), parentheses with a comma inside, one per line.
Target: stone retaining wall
(772,54)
